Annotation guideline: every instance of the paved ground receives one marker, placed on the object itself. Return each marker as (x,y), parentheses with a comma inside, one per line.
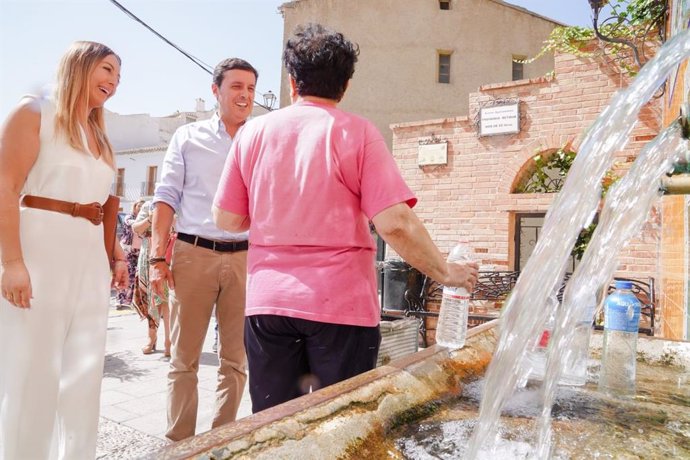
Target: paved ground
(133,398)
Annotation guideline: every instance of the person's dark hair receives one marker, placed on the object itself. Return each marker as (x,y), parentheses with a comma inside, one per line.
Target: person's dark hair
(231,64)
(321,61)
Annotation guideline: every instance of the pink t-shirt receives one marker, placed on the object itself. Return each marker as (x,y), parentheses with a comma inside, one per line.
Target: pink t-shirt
(310,177)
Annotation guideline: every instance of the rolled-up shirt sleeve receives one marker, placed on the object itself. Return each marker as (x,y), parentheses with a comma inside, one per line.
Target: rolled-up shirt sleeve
(169,189)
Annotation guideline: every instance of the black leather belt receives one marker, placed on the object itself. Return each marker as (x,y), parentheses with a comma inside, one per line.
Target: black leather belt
(220,246)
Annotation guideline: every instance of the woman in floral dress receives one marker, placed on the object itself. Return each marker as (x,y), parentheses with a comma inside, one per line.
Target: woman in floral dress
(149,305)
(131,243)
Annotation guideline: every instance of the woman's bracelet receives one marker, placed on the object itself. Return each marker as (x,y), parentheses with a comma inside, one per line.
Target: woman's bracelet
(5,263)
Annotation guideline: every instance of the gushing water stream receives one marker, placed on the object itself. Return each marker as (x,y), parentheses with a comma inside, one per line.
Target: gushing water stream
(628,205)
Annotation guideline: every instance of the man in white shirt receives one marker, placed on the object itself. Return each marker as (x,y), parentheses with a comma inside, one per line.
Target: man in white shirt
(208,264)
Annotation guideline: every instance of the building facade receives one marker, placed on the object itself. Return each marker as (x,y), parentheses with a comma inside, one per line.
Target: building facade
(420,59)
(475,191)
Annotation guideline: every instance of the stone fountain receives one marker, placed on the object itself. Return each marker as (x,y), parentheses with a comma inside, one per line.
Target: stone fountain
(398,409)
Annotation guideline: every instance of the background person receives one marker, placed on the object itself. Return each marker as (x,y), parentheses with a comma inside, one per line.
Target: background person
(151,306)
(208,264)
(55,274)
(131,244)
(305,180)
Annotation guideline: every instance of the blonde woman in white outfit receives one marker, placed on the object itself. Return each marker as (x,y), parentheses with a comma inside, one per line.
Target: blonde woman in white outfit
(55,278)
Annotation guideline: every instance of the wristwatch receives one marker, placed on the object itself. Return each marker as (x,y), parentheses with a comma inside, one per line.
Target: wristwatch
(155,260)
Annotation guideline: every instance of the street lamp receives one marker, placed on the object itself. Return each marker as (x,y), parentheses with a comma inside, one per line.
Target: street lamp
(596,5)
(269,99)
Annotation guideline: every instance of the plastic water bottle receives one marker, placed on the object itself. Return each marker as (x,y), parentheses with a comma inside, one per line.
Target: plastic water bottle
(574,364)
(535,358)
(451,329)
(574,371)
(621,323)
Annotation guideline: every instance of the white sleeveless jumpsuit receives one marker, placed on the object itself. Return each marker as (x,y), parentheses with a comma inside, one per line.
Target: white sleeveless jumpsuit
(51,355)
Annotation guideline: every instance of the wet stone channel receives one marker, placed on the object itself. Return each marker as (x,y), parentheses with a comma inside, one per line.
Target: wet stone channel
(586,423)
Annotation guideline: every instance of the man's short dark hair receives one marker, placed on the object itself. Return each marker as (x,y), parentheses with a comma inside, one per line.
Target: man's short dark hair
(321,61)
(231,64)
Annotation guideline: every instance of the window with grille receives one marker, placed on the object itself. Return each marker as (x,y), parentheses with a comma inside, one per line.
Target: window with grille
(444,4)
(151,180)
(444,67)
(518,67)
(120,182)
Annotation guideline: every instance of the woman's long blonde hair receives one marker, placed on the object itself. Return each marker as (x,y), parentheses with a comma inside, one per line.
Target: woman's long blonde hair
(72,93)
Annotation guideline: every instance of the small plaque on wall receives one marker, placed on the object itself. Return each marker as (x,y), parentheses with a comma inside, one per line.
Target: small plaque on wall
(499,119)
(432,154)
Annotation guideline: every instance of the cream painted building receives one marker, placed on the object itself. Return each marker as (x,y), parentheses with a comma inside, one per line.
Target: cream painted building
(140,142)
(420,59)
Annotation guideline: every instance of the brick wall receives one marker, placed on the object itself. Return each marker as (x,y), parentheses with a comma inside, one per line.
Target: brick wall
(471,197)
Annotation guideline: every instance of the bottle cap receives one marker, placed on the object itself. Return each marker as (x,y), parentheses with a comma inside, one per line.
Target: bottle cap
(620,284)
(460,253)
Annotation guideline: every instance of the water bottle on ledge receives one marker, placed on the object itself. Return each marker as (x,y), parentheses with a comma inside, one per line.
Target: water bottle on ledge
(574,363)
(619,355)
(535,358)
(451,329)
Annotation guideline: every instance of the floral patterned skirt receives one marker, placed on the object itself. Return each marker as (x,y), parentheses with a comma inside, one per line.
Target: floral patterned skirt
(144,300)
(124,297)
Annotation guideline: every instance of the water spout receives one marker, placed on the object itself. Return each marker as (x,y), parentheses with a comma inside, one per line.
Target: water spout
(527,309)
(679,184)
(676,185)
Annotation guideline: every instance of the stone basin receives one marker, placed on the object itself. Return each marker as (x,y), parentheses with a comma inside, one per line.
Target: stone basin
(379,413)
(586,424)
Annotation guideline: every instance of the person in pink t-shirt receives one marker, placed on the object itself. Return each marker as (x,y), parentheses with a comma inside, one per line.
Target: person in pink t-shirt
(306,180)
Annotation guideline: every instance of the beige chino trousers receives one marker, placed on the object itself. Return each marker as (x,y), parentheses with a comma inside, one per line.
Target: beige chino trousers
(204,278)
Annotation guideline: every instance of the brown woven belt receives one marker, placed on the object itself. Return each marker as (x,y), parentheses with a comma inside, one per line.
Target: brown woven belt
(92,212)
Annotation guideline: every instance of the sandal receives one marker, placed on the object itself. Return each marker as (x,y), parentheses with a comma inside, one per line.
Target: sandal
(149,349)
(167,350)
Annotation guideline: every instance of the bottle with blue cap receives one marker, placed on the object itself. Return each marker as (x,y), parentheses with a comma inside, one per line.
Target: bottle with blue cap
(619,355)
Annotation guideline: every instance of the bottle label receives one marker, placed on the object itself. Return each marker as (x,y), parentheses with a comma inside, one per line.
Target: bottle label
(456,293)
(622,316)
(544,339)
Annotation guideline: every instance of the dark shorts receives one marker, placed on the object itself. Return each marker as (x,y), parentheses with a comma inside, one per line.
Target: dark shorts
(288,357)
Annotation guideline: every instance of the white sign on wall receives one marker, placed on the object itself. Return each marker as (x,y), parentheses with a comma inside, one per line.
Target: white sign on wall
(499,119)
